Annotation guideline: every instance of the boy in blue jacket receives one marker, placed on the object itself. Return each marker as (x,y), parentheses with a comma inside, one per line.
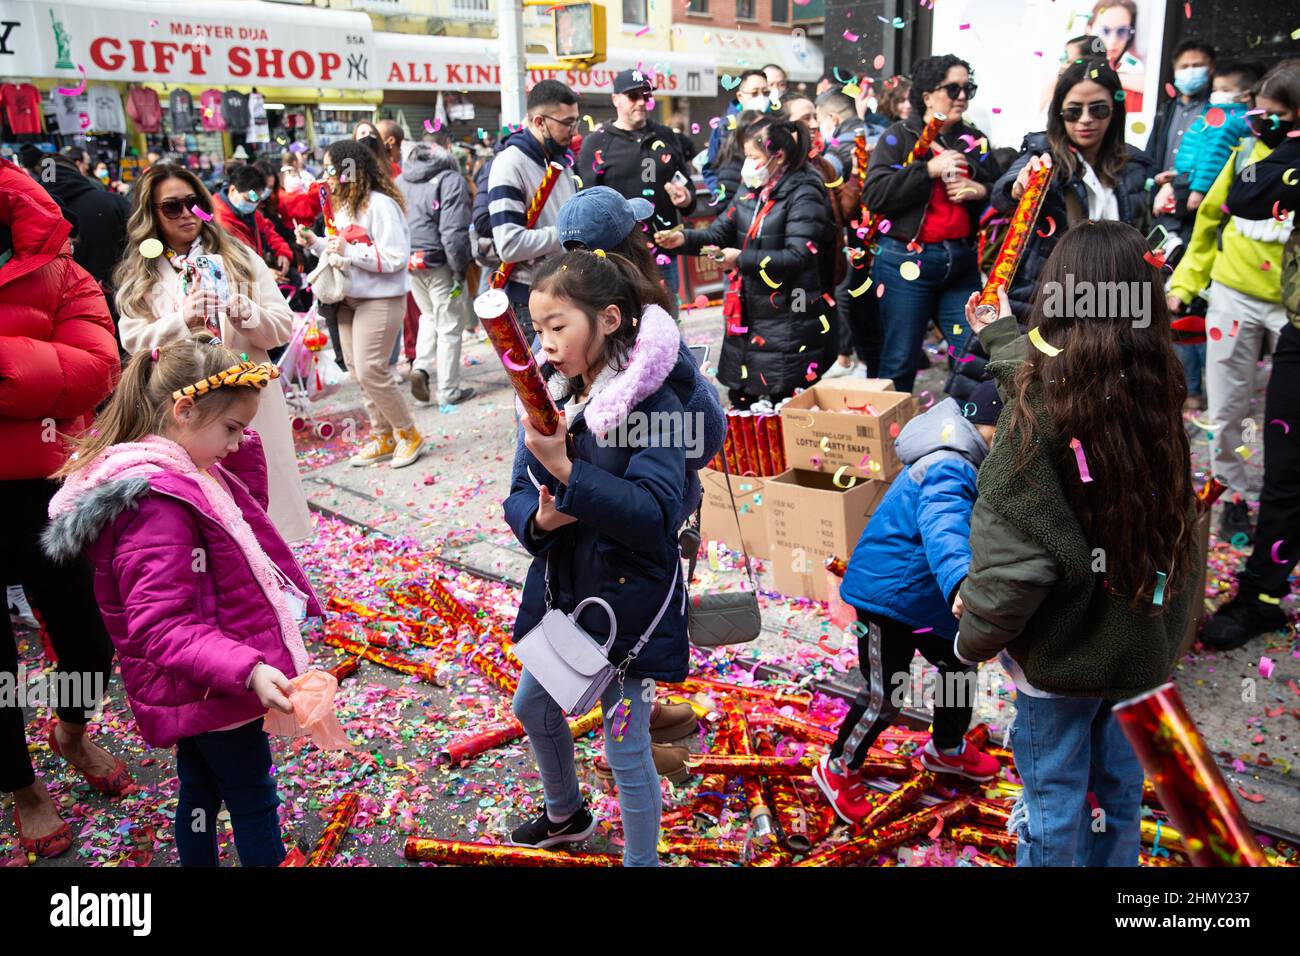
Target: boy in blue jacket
(903,580)
(1205,148)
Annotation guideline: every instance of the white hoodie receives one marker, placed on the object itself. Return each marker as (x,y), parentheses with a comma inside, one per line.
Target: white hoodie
(379,266)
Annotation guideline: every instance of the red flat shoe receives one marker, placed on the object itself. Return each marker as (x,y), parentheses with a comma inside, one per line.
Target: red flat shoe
(52,844)
(113,784)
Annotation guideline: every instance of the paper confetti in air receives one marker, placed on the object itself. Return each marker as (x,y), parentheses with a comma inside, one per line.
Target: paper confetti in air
(1036,339)
(1081,460)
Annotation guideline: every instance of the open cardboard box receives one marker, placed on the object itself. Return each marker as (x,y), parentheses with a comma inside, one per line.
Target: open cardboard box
(862,442)
(810,519)
(718,522)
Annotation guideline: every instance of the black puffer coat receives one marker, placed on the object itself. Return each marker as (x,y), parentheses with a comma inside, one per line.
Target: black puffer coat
(1130,195)
(784,333)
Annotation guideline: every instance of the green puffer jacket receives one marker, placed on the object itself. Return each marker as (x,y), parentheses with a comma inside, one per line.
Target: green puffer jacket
(1031,589)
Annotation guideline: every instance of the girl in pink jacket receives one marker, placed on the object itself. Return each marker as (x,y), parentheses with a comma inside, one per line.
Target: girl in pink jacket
(201,596)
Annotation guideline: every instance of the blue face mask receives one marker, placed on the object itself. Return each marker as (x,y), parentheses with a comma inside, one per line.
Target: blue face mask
(245,206)
(1191,80)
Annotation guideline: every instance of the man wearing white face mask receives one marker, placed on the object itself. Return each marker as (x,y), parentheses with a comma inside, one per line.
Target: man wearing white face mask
(752,94)
(1193,64)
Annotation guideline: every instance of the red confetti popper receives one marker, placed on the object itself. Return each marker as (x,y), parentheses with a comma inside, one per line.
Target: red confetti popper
(459,853)
(340,819)
(745,422)
(1191,788)
(889,835)
(1015,244)
(327,210)
(919,149)
(493,310)
(775,441)
(549,179)
(763,443)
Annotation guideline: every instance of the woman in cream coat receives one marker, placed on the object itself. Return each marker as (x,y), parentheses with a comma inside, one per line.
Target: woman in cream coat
(204,278)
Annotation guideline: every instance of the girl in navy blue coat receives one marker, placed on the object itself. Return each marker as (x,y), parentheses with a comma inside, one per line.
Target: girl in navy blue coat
(603,524)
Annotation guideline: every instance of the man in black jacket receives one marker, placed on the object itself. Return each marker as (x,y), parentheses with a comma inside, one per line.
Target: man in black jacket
(635,156)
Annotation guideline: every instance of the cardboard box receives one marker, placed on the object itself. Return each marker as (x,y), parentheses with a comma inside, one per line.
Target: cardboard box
(827,439)
(718,522)
(811,520)
(1198,584)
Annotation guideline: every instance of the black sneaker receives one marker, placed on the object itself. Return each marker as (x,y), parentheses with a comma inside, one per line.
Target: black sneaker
(1239,620)
(460,395)
(420,384)
(1236,521)
(542,834)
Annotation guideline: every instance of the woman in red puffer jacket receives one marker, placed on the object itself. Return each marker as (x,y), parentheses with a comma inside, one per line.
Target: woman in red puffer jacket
(58,360)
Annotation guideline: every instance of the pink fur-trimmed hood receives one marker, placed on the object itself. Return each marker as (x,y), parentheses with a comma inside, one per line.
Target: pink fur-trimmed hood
(616,392)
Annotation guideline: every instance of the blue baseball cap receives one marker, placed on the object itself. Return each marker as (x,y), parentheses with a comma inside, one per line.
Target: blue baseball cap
(600,218)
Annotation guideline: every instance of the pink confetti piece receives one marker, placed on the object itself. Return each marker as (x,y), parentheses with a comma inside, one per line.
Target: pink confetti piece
(851,37)
(1081,460)
(642,32)
(1266,667)
(811,247)
(1273,551)
(1285,427)
(85,120)
(514,365)
(963,26)
(206,217)
(79,88)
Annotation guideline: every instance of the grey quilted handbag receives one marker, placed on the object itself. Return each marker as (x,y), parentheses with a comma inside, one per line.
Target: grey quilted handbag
(723,617)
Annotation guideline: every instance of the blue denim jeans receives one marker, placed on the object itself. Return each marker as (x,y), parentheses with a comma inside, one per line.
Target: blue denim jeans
(1193,359)
(672,277)
(232,766)
(639,798)
(1071,751)
(949,274)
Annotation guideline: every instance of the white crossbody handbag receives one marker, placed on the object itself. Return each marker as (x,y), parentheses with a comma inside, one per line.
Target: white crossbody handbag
(568,662)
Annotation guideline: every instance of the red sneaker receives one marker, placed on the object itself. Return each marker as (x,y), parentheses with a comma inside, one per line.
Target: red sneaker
(971,763)
(846,792)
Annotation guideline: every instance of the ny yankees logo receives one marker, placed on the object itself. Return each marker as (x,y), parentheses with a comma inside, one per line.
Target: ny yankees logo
(357,66)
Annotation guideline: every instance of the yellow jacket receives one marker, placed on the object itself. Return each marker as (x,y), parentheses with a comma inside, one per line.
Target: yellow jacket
(1250,260)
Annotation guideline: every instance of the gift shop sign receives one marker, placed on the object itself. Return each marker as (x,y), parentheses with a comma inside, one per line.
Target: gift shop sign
(250,43)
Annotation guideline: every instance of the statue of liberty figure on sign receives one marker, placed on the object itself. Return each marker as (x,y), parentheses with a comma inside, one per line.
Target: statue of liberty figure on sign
(64,43)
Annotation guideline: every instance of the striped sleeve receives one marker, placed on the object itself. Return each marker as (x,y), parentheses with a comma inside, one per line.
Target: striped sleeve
(507,202)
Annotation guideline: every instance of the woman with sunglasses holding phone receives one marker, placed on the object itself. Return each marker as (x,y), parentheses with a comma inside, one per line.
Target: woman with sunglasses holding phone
(204,278)
(934,203)
(1096,174)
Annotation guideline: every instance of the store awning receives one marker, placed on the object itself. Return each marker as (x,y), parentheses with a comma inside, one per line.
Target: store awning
(228,43)
(734,50)
(417,62)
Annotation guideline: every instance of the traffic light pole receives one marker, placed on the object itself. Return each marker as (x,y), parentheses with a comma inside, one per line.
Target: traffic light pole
(510,37)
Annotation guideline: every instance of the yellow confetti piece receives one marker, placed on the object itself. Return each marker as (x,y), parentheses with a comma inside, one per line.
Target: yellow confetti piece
(151,248)
(771,283)
(744,371)
(591,123)
(1243,451)
(861,289)
(851,89)
(766,260)
(956,330)
(835,185)
(910,271)
(599,252)
(946,433)
(1036,339)
(657,144)
(1138,126)
(825,443)
(826,325)
(1269,599)
(838,478)
(1289,177)
(578,180)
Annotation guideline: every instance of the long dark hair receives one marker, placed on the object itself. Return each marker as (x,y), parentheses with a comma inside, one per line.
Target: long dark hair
(1112,154)
(593,282)
(1116,386)
(776,134)
(360,175)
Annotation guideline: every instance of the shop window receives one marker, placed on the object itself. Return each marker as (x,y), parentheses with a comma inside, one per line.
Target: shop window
(635,13)
(745,10)
(780,11)
(698,6)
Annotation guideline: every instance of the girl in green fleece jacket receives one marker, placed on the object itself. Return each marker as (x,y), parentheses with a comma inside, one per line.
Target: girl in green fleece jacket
(1082,539)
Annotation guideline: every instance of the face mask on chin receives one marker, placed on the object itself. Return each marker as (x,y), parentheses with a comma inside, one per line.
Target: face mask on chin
(552,147)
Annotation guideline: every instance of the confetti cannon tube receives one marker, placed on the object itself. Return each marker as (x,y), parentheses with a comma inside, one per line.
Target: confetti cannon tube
(459,853)
(711,797)
(385,658)
(340,819)
(493,310)
(549,179)
(703,850)
(919,149)
(729,452)
(898,801)
(987,839)
(327,210)
(1191,788)
(861,159)
(345,668)
(785,801)
(750,765)
(1207,496)
(734,728)
(791,727)
(744,463)
(821,821)
(890,835)
(745,421)
(508,732)
(1019,233)
(775,441)
(989,813)
(715,688)
(764,447)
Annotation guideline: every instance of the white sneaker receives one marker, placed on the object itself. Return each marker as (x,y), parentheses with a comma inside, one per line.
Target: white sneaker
(838,370)
(19,609)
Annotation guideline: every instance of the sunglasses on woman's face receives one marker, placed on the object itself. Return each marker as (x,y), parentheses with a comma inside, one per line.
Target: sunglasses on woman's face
(955,90)
(175,208)
(1119,33)
(1072,114)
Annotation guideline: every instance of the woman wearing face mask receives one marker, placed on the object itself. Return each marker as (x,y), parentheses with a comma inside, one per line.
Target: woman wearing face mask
(934,202)
(772,240)
(237,210)
(751,95)
(367,134)
(204,278)
(1115,21)
(1240,260)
